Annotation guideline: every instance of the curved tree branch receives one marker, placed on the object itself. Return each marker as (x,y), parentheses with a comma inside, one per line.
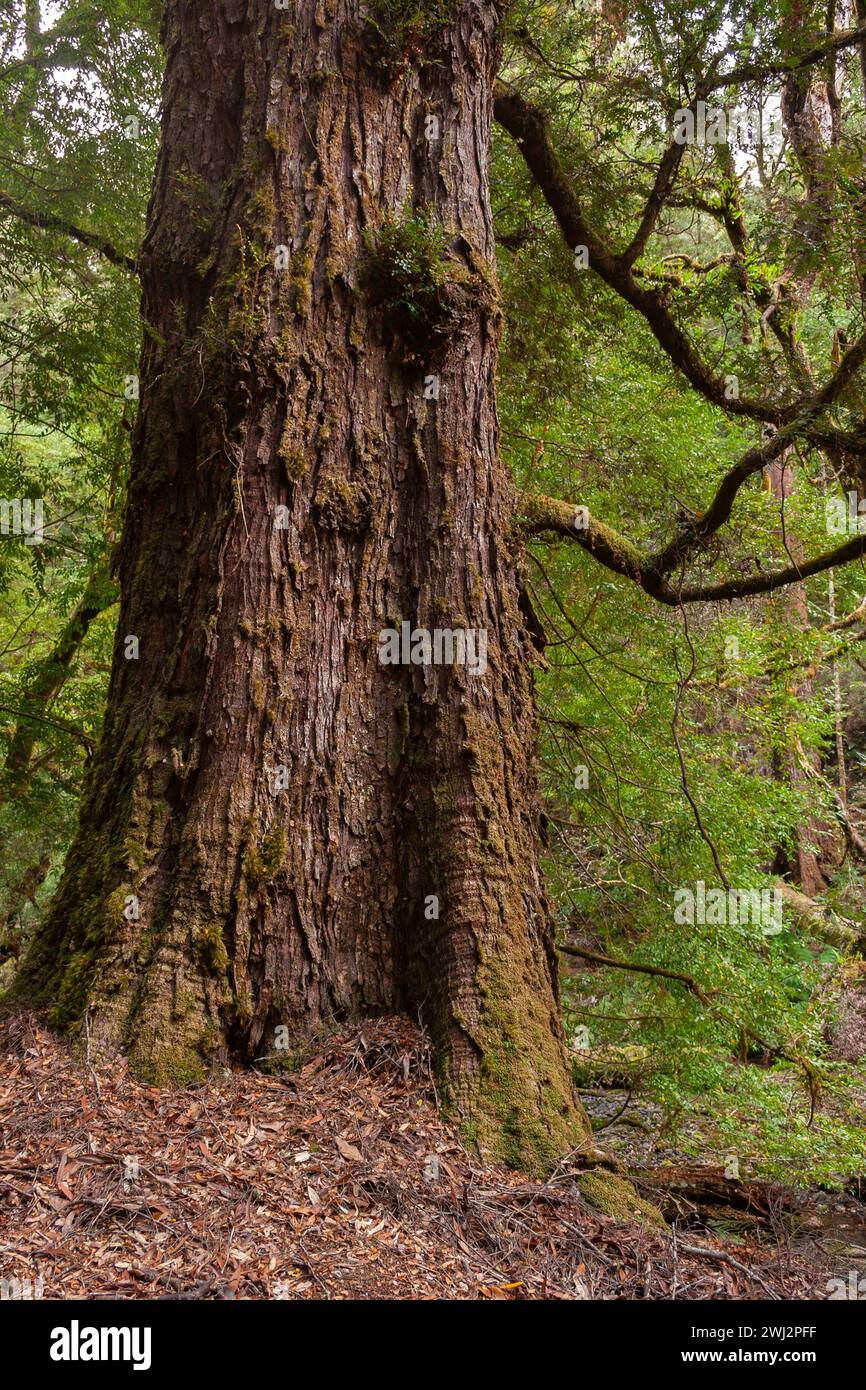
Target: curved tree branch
(538,514)
(530,129)
(49,222)
(759,72)
(639,969)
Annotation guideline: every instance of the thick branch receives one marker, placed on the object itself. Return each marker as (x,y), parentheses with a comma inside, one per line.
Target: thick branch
(776,579)
(688,264)
(529,128)
(693,536)
(637,968)
(664,182)
(540,514)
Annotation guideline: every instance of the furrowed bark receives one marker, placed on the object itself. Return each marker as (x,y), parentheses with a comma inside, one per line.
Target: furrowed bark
(273,811)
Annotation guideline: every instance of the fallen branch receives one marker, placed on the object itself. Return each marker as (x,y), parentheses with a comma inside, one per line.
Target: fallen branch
(729,1260)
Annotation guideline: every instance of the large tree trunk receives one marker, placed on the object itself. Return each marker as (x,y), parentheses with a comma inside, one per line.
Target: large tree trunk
(273,811)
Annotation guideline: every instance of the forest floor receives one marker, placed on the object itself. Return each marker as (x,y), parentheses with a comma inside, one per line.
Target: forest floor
(339,1180)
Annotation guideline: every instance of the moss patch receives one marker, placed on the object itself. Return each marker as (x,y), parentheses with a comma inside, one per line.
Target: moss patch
(171,1066)
(209,940)
(615,1196)
(263,860)
(343,506)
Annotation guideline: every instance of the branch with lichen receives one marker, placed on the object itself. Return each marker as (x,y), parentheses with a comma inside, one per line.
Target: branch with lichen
(538,515)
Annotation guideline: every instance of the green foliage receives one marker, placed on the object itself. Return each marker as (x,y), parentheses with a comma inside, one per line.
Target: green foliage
(406,272)
(79,96)
(400,28)
(675,740)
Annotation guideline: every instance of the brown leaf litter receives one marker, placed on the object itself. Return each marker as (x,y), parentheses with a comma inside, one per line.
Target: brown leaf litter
(338,1181)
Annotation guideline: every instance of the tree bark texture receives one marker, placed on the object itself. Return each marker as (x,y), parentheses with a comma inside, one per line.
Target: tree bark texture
(274,816)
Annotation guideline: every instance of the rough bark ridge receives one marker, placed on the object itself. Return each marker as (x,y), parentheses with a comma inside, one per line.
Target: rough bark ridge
(271,808)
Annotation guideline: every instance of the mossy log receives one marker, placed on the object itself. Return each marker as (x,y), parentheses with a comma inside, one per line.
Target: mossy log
(673,1190)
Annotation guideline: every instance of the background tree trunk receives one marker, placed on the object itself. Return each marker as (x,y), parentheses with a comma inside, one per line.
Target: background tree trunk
(272,810)
(804,862)
(50,676)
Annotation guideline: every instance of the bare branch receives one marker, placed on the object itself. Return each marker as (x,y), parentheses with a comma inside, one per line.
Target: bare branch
(777,579)
(664,182)
(529,128)
(658,970)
